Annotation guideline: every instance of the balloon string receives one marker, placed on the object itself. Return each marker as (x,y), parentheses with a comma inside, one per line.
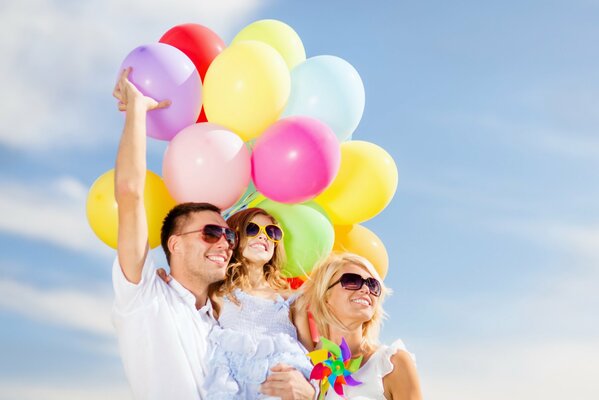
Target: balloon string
(241,206)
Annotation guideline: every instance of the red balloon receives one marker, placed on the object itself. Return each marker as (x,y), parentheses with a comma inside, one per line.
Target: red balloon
(295,282)
(198,43)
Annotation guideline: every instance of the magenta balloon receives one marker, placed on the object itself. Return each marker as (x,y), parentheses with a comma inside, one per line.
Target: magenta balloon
(295,159)
(207,163)
(164,72)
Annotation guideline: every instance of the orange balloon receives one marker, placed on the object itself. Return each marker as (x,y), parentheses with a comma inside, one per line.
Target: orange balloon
(363,242)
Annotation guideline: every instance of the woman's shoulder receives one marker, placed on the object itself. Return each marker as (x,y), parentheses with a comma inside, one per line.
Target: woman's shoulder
(400,375)
(395,357)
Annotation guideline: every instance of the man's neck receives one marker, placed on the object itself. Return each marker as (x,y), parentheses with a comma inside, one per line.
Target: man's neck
(198,288)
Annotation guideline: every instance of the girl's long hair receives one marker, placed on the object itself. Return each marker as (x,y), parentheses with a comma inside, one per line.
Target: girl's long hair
(237,275)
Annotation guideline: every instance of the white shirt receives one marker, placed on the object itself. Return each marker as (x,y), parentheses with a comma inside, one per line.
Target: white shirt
(371,375)
(162,337)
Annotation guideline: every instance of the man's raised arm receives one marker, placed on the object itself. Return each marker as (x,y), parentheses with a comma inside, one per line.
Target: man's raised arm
(130,177)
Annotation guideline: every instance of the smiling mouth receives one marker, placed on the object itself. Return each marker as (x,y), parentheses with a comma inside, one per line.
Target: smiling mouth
(364,302)
(217,259)
(259,246)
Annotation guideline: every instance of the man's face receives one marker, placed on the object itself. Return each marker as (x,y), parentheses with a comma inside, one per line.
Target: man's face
(200,259)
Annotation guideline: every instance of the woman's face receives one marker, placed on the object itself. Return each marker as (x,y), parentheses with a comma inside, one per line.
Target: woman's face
(259,249)
(352,305)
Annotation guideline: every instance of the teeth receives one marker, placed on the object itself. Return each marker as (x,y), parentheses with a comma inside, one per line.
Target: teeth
(361,301)
(216,258)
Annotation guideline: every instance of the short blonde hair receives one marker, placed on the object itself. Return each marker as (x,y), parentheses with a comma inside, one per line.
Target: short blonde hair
(315,296)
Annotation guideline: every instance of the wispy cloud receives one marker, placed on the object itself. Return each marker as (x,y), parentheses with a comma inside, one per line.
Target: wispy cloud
(70,308)
(35,390)
(579,240)
(60,60)
(51,211)
(517,370)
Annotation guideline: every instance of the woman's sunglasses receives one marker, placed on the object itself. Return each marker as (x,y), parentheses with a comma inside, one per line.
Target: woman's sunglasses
(212,233)
(273,232)
(351,281)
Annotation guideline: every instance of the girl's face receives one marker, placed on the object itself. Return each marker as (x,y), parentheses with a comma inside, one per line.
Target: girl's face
(259,249)
(351,306)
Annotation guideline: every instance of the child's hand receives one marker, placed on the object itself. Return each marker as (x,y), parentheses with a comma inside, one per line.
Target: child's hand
(161,272)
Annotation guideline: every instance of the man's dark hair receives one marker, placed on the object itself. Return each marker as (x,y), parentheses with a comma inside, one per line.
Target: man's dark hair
(176,217)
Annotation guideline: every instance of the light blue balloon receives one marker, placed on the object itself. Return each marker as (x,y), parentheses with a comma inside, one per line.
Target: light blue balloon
(327,88)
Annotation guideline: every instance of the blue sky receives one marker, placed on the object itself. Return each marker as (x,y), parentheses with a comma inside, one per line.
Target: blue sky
(490,110)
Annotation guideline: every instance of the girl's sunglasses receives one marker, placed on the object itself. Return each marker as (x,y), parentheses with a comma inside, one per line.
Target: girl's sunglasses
(212,233)
(351,281)
(273,232)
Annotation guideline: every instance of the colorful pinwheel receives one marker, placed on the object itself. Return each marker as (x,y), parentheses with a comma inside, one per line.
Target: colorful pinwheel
(333,366)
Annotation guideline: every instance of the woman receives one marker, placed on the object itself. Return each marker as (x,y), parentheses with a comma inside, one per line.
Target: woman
(345,296)
(253,305)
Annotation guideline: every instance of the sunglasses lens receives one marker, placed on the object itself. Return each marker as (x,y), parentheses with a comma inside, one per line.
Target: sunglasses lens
(351,281)
(274,232)
(374,286)
(252,229)
(212,233)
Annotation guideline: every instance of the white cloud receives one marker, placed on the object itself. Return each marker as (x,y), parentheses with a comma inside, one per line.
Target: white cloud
(53,212)
(84,311)
(73,390)
(60,60)
(515,370)
(581,241)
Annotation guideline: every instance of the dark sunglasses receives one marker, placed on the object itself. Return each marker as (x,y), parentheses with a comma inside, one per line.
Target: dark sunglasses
(351,281)
(273,232)
(212,233)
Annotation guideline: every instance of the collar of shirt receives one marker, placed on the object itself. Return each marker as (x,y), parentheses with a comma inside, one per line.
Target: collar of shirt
(190,299)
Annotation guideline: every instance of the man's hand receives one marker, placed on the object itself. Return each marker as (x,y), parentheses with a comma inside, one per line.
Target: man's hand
(127,94)
(287,383)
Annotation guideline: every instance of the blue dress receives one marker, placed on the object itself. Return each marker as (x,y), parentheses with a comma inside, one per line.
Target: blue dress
(251,338)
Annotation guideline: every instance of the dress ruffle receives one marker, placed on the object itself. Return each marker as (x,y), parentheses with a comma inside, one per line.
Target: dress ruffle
(241,361)
(386,366)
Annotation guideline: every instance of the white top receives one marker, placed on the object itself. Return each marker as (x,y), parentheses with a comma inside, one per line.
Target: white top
(371,375)
(162,337)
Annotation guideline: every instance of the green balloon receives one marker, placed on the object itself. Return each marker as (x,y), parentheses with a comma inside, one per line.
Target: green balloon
(309,235)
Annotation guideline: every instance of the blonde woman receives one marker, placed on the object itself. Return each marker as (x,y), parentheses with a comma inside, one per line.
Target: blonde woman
(345,296)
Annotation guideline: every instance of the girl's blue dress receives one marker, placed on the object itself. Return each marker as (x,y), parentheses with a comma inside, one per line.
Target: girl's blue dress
(251,338)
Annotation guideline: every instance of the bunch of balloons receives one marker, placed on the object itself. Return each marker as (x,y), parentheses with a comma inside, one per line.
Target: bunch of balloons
(259,124)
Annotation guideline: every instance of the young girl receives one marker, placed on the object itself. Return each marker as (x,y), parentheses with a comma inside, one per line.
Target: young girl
(255,312)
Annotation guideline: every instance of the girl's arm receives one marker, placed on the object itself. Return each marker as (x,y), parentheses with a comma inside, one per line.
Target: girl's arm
(402,383)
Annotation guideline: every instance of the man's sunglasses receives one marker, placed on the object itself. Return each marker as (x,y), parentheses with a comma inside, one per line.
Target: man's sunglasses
(351,281)
(273,232)
(212,233)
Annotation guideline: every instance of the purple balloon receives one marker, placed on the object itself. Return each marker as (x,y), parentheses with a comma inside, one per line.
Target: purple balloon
(164,72)
(295,159)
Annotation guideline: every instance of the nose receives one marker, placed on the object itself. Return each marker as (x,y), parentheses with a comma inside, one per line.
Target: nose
(364,288)
(222,243)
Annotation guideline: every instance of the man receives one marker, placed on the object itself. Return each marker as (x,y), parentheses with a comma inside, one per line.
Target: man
(163,327)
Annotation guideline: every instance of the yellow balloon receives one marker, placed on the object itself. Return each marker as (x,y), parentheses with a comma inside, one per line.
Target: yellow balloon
(277,34)
(364,185)
(246,88)
(363,242)
(102,209)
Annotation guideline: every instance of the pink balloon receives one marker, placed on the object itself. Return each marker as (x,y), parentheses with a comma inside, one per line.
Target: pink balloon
(206,163)
(295,159)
